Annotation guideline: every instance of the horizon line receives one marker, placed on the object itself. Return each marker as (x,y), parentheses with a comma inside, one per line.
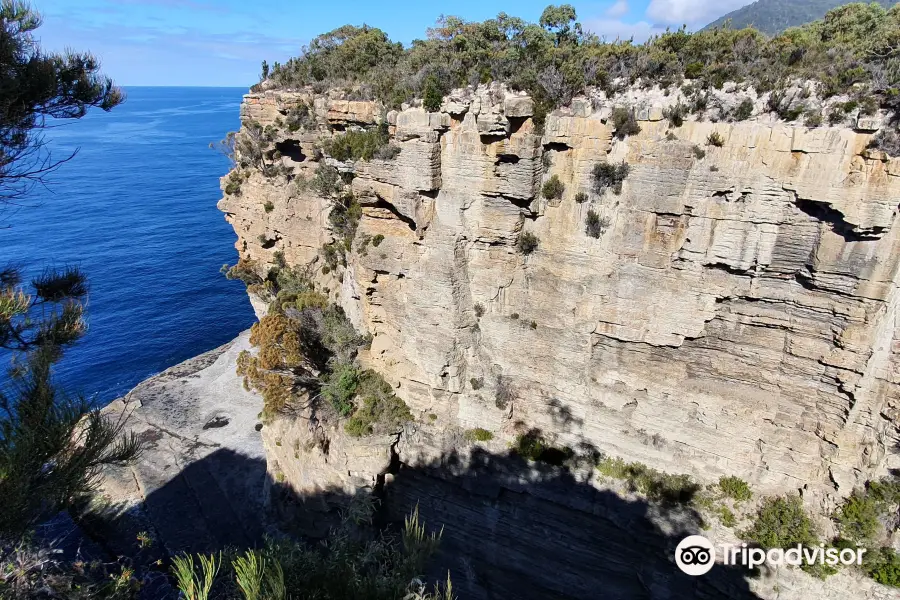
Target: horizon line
(186,86)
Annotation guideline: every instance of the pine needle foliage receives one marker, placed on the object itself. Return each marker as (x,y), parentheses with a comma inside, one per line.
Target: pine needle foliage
(52,446)
(193,584)
(259,577)
(36,85)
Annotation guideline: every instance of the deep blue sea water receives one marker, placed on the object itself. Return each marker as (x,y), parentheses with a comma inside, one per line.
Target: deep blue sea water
(136,211)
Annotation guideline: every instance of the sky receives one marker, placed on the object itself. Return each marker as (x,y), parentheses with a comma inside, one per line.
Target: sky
(222,42)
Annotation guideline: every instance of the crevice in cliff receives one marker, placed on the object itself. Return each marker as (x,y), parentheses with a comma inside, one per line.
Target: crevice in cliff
(515,124)
(492,138)
(732,270)
(807,282)
(556,147)
(269,243)
(291,149)
(382,203)
(523,203)
(824,212)
(381,517)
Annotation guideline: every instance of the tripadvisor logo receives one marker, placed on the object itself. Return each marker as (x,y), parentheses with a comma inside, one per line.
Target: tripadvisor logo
(696,555)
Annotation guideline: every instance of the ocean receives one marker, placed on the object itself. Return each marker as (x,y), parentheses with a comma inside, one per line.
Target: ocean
(136,211)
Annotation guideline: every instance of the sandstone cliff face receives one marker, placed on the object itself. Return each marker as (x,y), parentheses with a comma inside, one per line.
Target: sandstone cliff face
(737,315)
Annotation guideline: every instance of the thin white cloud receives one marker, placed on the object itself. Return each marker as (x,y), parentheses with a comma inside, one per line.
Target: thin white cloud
(612,29)
(691,12)
(619,9)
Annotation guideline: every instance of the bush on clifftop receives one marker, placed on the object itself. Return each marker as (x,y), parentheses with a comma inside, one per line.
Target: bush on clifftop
(556,58)
(359,144)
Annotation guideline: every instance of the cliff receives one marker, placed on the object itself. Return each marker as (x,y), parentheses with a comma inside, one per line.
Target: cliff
(732,311)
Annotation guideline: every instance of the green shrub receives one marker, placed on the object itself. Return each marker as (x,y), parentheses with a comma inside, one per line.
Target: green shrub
(699,102)
(781,522)
(609,176)
(581,197)
(376,241)
(836,115)
(594,225)
(388,152)
(868,106)
(553,188)
(327,181)
(726,517)
(744,110)
(479,309)
(532,446)
(268,207)
(299,300)
(813,118)
(433,95)
(527,242)
(858,517)
(693,70)
(340,387)
(883,565)
(245,270)
(344,219)
(300,117)
(699,153)
(358,145)
(887,140)
(735,488)
(233,183)
(477,383)
(715,139)
(676,114)
(885,490)
(479,435)
(624,122)
(337,334)
(656,485)
(333,255)
(378,409)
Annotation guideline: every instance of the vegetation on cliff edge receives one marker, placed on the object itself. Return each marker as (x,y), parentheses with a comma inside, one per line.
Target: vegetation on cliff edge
(854,49)
(353,563)
(306,346)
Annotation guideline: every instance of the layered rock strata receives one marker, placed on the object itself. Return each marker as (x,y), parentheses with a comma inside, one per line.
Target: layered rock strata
(735,316)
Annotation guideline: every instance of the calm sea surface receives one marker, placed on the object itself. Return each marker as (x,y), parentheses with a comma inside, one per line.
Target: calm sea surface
(136,211)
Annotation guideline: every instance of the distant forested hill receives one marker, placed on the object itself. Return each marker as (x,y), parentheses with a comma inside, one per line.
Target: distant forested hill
(774,16)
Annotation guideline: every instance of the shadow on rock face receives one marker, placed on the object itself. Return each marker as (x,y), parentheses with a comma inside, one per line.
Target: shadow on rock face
(511,528)
(518,529)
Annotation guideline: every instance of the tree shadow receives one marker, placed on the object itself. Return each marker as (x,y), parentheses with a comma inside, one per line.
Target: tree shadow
(520,529)
(511,528)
